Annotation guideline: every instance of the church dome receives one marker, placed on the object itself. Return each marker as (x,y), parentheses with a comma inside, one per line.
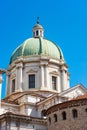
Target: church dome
(37,45)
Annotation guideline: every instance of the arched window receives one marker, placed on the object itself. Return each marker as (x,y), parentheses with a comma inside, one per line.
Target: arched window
(55,117)
(43,113)
(64,115)
(49,120)
(37,33)
(74,113)
(86,110)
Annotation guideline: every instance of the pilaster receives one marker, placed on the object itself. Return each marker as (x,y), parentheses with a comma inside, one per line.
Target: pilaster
(19,81)
(44,74)
(46,77)
(8,83)
(58,84)
(64,78)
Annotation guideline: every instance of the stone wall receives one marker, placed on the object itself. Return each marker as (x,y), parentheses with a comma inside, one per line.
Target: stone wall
(74,119)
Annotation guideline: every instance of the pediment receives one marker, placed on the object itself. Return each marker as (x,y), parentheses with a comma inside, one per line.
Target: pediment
(31,71)
(54,72)
(13,76)
(74,91)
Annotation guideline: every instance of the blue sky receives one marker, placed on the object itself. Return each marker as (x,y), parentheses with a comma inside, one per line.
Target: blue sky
(64,21)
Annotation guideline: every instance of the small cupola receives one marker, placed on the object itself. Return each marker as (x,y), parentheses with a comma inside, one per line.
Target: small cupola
(38,30)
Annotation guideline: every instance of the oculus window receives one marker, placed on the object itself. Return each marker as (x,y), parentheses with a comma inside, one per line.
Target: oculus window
(32,81)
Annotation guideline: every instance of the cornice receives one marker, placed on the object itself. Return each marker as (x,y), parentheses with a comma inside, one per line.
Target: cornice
(24,118)
(47,99)
(42,59)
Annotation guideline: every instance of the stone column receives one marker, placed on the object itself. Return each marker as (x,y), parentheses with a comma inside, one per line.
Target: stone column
(46,81)
(8,84)
(67,80)
(19,82)
(42,76)
(58,84)
(39,32)
(64,82)
(64,79)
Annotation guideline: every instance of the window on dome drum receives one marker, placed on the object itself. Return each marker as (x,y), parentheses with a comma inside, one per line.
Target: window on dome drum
(54,82)
(64,115)
(32,81)
(13,85)
(74,113)
(55,117)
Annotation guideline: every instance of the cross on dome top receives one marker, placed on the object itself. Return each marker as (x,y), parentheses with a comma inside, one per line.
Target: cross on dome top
(38,20)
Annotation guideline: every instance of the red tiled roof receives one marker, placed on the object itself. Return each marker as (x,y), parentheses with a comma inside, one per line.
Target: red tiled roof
(82,97)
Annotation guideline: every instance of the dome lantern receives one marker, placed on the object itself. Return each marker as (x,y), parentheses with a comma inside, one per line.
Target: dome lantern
(38,30)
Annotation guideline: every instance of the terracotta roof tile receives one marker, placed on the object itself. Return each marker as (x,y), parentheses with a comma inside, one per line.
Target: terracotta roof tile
(80,97)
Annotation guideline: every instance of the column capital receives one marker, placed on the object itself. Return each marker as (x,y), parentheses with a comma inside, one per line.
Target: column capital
(44,62)
(8,73)
(20,65)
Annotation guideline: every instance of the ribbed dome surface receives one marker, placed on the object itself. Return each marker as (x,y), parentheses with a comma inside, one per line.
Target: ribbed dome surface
(37,46)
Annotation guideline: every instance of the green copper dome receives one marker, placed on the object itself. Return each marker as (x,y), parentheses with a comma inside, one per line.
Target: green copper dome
(37,46)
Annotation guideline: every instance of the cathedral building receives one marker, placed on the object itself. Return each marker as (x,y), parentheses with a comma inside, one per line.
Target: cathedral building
(38,88)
